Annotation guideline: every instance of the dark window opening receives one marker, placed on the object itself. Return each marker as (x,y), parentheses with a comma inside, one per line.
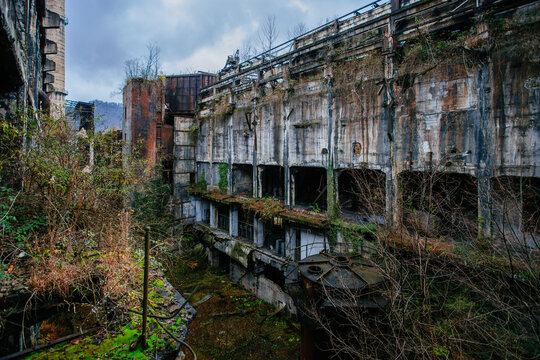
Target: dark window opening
(274,236)
(273,182)
(205,212)
(243,179)
(440,204)
(167,174)
(206,216)
(245,224)
(516,203)
(274,275)
(310,188)
(168,119)
(362,195)
(223,217)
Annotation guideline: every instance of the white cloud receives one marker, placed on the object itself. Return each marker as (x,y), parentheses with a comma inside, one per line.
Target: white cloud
(299,4)
(211,57)
(192,34)
(101,86)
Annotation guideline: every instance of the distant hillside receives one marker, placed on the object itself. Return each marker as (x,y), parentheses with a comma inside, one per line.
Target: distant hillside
(108,115)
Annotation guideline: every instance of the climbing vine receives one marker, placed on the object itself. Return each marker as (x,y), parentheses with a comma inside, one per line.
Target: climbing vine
(223,170)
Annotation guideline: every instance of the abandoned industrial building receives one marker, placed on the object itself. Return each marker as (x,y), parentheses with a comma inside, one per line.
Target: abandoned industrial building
(419,115)
(375,180)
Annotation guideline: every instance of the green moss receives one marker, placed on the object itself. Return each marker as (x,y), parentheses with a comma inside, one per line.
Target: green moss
(116,345)
(223,170)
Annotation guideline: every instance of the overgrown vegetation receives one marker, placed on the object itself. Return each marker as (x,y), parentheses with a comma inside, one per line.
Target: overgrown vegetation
(223,172)
(358,76)
(151,206)
(451,294)
(66,231)
(65,213)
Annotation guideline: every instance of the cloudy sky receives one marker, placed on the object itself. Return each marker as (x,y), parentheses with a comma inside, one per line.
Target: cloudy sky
(192,35)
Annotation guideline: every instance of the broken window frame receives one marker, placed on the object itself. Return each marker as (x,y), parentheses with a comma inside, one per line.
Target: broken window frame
(223,217)
(245,225)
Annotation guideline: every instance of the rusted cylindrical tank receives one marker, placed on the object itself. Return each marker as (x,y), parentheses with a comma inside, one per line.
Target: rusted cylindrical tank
(332,285)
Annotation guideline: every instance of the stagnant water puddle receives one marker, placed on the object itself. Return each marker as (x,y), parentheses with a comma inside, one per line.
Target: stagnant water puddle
(226,322)
(231,323)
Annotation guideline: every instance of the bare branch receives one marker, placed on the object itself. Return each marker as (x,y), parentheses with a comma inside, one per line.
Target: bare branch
(268,33)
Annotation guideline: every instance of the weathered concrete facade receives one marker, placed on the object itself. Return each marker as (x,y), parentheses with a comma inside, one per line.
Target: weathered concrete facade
(436,95)
(57,89)
(26,50)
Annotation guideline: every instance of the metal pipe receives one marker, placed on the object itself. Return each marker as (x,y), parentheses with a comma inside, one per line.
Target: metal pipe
(145,286)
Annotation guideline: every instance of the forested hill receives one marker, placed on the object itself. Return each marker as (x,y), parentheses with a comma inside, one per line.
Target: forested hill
(108,115)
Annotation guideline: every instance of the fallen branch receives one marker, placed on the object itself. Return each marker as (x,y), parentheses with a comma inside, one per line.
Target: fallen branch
(203,300)
(241,313)
(177,339)
(273,313)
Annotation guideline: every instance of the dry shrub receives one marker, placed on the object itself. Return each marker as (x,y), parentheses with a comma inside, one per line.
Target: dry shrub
(223,108)
(358,75)
(439,307)
(454,292)
(104,269)
(68,216)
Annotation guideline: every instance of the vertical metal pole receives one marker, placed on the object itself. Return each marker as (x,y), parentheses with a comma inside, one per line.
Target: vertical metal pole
(145,290)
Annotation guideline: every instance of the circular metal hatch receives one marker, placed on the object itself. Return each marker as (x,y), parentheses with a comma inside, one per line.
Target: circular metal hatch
(341,271)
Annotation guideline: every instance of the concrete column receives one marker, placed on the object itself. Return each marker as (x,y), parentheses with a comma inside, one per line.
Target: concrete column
(213,215)
(292,185)
(330,183)
(213,257)
(259,182)
(256,179)
(230,147)
(184,165)
(290,241)
(393,213)
(258,233)
(287,112)
(198,210)
(485,134)
(233,221)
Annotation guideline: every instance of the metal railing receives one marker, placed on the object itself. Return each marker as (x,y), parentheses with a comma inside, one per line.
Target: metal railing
(288,46)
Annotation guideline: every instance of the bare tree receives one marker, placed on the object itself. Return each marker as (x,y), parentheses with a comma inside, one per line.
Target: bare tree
(268,33)
(247,50)
(147,67)
(297,30)
(452,292)
(152,65)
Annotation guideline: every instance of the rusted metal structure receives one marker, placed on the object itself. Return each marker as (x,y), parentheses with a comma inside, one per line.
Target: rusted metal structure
(182,92)
(150,107)
(142,121)
(333,285)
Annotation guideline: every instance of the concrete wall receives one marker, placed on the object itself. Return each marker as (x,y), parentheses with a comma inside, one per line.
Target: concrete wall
(58,35)
(22,29)
(477,117)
